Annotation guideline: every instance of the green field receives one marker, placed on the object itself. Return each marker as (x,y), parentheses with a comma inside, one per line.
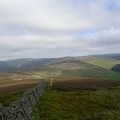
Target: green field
(7,98)
(79,98)
(79,105)
(106,63)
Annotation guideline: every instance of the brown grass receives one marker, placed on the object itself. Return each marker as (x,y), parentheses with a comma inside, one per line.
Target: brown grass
(66,83)
(13,85)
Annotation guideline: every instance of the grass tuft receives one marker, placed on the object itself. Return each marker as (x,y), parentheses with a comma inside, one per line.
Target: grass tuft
(79,105)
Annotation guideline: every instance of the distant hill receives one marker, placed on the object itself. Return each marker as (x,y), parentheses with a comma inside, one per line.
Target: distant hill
(33,63)
(88,66)
(6,67)
(106,61)
(113,56)
(19,62)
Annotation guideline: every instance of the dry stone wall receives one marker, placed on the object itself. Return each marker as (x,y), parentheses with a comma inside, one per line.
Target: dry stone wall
(23,107)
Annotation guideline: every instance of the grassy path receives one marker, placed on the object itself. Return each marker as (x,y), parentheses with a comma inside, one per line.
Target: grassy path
(79,105)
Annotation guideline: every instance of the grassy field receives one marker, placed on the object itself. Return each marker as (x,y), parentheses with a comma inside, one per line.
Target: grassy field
(79,105)
(7,98)
(80,99)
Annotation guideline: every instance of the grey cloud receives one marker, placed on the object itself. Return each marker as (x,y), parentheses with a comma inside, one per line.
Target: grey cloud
(55,28)
(106,41)
(111,37)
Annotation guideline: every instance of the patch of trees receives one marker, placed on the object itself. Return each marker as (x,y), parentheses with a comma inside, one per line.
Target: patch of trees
(116,68)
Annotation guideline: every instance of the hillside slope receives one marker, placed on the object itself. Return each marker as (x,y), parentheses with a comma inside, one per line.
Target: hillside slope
(89,66)
(77,68)
(101,61)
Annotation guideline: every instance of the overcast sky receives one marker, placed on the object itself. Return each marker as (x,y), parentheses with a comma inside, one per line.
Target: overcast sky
(55,28)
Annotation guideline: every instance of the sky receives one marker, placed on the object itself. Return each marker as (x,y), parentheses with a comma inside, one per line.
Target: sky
(56,28)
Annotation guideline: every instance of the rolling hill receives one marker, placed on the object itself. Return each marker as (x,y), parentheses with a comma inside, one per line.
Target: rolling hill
(113,56)
(86,66)
(105,61)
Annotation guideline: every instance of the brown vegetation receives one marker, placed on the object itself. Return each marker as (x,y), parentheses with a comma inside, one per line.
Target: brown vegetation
(13,85)
(66,83)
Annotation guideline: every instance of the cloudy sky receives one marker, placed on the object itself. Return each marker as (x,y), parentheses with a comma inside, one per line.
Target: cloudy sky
(55,28)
